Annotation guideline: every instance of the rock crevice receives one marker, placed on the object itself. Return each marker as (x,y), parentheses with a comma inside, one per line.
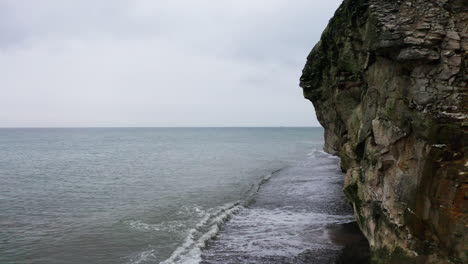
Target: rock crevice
(389,80)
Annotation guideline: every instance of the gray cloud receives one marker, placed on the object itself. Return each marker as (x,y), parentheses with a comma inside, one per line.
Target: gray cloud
(156,63)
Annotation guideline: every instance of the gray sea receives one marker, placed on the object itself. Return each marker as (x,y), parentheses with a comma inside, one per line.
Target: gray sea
(168,195)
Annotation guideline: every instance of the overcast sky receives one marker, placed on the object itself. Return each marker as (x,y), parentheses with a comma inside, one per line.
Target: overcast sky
(157,62)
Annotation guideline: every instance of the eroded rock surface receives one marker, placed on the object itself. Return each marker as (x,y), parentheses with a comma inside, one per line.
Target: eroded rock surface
(389,84)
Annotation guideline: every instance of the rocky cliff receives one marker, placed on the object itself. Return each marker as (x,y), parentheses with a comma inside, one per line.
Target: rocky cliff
(389,82)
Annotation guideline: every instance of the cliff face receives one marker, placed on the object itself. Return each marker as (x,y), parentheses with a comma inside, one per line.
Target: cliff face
(389,80)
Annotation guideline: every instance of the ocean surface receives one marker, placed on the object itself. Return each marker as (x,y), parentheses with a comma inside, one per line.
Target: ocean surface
(168,195)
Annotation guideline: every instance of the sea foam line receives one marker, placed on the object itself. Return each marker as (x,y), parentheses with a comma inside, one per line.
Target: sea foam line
(208,227)
(190,251)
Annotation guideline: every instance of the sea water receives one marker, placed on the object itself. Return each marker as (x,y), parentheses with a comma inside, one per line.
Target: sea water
(166,195)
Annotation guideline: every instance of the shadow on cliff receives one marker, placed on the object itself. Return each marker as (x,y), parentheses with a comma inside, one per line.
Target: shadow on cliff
(355,245)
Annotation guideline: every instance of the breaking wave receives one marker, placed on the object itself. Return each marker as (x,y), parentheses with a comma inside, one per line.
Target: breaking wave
(190,251)
(207,228)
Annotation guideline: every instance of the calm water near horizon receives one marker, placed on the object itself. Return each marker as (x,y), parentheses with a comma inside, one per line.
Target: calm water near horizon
(170,195)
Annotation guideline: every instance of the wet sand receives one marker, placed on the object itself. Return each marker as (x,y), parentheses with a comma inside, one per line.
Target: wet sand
(354,248)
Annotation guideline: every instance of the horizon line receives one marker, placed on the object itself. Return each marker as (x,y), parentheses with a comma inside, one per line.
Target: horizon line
(45,127)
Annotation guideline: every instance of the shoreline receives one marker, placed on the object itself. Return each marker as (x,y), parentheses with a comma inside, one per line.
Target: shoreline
(356,248)
(299,216)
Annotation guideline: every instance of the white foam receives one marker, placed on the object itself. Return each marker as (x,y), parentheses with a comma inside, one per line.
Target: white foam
(321,153)
(166,226)
(190,251)
(193,210)
(144,257)
(278,232)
